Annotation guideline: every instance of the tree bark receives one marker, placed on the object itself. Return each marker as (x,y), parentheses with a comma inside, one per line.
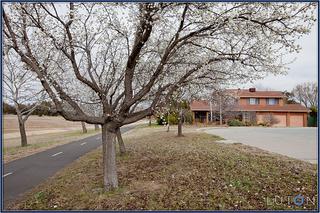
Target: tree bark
(220,111)
(168,123)
(23,134)
(180,124)
(96,127)
(122,147)
(109,158)
(84,128)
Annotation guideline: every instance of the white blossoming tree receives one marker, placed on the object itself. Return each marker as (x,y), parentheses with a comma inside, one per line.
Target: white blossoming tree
(127,54)
(21,89)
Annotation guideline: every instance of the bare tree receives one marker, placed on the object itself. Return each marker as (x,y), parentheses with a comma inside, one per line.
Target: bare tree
(84,128)
(289,97)
(21,89)
(122,147)
(150,120)
(180,104)
(306,94)
(180,122)
(225,102)
(96,127)
(270,119)
(175,106)
(168,120)
(124,53)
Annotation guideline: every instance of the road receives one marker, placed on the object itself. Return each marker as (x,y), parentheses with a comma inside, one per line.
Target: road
(23,174)
(300,143)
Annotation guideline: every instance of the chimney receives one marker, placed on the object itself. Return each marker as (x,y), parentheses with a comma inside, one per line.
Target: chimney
(252,89)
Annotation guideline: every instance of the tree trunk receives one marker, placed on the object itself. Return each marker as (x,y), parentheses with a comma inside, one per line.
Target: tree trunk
(84,128)
(168,123)
(220,111)
(96,127)
(180,124)
(122,148)
(109,158)
(23,134)
(150,120)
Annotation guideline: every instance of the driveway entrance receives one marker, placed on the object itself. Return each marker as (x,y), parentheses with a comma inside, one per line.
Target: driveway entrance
(300,143)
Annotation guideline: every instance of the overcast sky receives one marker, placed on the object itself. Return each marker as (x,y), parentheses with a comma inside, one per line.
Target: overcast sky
(303,69)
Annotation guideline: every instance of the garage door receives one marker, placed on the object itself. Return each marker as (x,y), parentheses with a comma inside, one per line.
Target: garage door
(282,120)
(296,120)
(259,118)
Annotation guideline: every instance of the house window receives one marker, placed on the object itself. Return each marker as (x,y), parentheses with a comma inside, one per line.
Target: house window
(272,101)
(253,101)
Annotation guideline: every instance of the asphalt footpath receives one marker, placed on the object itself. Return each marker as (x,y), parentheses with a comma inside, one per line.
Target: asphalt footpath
(23,174)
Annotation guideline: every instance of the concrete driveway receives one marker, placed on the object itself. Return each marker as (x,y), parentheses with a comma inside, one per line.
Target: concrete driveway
(300,143)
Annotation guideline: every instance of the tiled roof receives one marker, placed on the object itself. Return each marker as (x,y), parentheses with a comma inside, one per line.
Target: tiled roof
(246,93)
(273,108)
(199,106)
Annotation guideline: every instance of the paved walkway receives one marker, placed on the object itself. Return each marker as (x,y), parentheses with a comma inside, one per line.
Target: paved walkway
(300,143)
(23,174)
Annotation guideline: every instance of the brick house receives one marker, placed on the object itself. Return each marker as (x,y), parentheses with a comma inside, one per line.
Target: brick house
(258,104)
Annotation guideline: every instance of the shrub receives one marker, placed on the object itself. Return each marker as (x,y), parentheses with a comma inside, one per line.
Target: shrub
(161,120)
(262,124)
(270,120)
(250,123)
(8,109)
(173,118)
(235,122)
(188,117)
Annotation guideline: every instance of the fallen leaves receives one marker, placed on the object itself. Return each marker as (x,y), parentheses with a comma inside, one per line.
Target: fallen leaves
(162,171)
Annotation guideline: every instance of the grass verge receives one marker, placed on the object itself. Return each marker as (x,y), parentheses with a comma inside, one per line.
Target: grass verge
(146,125)
(39,143)
(165,172)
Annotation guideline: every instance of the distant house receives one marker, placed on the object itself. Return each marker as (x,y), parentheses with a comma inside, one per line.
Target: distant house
(258,105)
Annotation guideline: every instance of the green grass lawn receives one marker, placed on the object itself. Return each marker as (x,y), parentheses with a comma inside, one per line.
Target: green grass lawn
(162,171)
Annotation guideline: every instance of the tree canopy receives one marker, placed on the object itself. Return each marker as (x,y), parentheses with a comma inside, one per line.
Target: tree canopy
(121,54)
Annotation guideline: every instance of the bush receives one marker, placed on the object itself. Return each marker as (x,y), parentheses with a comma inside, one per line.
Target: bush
(235,122)
(250,123)
(262,124)
(8,109)
(161,120)
(188,117)
(270,120)
(312,121)
(173,119)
